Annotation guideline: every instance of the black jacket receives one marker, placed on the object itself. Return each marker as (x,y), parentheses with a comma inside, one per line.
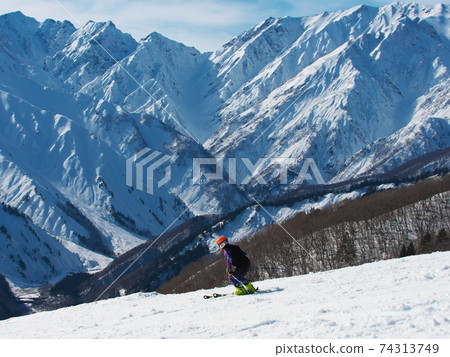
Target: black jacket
(238,256)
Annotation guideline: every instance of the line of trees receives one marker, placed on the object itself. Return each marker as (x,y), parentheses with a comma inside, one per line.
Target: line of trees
(422,227)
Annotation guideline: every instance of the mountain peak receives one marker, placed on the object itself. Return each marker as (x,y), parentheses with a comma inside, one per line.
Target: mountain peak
(160,42)
(17,20)
(93,27)
(14,15)
(155,36)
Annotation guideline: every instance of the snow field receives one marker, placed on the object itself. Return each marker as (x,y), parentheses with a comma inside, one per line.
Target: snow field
(397,299)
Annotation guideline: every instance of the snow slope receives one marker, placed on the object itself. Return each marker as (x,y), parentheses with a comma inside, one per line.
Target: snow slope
(402,298)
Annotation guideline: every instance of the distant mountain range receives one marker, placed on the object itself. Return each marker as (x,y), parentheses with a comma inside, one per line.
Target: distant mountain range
(351,93)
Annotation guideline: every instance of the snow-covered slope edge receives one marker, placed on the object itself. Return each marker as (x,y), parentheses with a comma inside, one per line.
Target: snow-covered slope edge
(401,298)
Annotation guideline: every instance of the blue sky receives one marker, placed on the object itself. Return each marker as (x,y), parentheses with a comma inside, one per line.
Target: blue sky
(204,24)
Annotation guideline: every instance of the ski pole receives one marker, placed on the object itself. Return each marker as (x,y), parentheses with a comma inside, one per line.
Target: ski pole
(271,268)
(240,282)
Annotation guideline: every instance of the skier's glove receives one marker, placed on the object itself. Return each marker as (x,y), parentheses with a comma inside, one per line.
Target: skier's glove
(228,271)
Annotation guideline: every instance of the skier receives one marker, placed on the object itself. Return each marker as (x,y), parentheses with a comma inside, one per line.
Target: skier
(237,257)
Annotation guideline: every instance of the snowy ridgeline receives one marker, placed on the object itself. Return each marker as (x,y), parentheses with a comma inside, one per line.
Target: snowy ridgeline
(401,298)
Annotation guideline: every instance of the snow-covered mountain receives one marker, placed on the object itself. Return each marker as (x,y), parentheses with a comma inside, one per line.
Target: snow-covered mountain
(395,299)
(63,154)
(357,92)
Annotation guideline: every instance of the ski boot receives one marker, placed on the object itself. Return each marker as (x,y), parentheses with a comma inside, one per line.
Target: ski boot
(241,291)
(251,289)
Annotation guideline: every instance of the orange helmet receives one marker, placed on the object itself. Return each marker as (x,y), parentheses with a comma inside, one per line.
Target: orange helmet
(222,242)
